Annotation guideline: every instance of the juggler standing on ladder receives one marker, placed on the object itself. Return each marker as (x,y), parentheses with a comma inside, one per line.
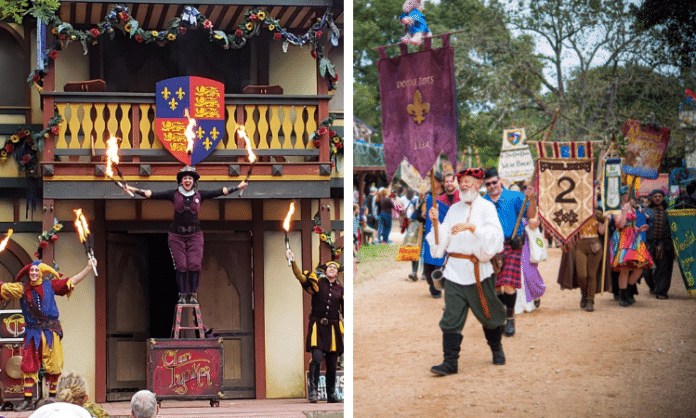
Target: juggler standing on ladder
(185,236)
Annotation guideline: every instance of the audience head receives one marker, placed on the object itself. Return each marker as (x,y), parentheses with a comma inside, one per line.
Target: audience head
(72,388)
(61,410)
(144,405)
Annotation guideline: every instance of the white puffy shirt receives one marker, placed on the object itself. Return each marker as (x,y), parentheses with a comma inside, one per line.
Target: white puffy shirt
(484,243)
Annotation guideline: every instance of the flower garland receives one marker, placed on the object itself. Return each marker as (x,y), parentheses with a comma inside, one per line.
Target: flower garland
(335,140)
(326,237)
(48,237)
(254,20)
(25,145)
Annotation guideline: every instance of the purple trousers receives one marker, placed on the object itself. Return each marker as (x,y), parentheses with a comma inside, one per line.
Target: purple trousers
(187,251)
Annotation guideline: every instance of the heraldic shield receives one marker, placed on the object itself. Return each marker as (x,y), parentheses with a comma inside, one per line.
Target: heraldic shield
(204,101)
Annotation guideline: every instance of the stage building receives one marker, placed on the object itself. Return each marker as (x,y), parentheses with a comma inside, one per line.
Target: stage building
(248,296)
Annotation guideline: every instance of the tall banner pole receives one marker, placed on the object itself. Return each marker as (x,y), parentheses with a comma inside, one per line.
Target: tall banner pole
(434,197)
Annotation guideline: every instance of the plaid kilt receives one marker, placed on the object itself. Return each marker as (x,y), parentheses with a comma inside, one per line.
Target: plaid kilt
(511,274)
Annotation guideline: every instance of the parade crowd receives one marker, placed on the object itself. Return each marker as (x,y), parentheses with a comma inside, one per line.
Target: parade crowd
(476,249)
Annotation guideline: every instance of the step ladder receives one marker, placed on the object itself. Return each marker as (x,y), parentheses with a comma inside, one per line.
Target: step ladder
(197,319)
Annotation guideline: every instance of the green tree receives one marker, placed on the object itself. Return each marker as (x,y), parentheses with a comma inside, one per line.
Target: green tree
(671,24)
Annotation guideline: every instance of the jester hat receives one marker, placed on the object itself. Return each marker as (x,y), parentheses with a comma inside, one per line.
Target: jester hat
(44,268)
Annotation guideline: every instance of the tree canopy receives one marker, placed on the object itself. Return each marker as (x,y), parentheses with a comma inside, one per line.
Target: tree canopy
(516,62)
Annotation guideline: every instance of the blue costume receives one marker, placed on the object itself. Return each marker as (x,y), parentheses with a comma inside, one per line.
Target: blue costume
(419,25)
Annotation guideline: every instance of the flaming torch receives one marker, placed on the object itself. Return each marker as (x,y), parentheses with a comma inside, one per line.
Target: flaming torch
(286,227)
(4,242)
(112,161)
(190,135)
(83,234)
(241,131)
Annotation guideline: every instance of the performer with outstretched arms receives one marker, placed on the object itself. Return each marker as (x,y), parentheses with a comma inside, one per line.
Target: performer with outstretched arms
(325,333)
(43,331)
(471,235)
(185,235)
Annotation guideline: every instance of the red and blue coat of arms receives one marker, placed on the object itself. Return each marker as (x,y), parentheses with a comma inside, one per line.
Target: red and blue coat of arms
(183,101)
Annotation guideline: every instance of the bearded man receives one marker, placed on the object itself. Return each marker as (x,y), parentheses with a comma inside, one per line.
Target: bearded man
(471,235)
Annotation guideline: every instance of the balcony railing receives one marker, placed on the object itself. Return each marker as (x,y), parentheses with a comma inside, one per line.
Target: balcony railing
(278,125)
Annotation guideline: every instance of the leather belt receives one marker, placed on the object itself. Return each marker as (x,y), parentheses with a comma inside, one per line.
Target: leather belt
(324,321)
(477,275)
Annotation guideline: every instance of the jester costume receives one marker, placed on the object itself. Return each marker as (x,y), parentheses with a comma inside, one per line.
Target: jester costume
(43,331)
(325,332)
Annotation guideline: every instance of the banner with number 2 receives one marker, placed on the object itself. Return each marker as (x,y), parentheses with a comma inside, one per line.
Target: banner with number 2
(566,195)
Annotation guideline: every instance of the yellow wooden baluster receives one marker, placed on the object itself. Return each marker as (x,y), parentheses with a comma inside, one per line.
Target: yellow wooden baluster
(250,125)
(126,141)
(275,127)
(231,127)
(287,126)
(112,122)
(263,127)
(99,126)
(145,126)
(311,121)
(87,125)
(74,124)
(299,127)
(60,141)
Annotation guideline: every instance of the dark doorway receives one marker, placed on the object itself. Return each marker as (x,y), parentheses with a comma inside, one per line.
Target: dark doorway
(163,290)
(141,299)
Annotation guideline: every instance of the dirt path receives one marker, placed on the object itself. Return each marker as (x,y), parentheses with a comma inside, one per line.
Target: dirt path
(562,362)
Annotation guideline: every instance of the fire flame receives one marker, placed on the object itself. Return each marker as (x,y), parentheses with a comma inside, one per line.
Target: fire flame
(241,131)
(286,224)
(190,135)
(81,225)
(111,155)
(4,242)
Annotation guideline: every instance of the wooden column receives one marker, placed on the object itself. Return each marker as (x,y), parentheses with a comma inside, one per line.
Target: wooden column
(48,155)
(99,230)
(323,113)
(306,232)
(257,243)
(325,216)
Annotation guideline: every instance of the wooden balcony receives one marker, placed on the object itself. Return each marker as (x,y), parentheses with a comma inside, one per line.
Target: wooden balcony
(279,126)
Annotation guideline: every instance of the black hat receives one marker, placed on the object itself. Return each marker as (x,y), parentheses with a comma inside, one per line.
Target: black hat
(490,172)
(187,171)
(438,176)
(656,191)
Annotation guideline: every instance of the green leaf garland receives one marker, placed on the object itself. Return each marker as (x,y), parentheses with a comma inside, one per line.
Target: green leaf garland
(119,18)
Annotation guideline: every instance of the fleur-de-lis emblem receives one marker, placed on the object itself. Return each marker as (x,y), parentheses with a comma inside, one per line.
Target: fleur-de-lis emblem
(418,108)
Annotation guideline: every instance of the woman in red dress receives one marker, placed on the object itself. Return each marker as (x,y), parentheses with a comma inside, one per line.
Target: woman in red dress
(629,254)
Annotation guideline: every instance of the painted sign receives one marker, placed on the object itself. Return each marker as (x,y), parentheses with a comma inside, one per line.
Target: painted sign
(513,139)
(516,164)
(645,150)
(12,324)
(185,368)
(182,100)
(681,223)
(340,384)
(611,189)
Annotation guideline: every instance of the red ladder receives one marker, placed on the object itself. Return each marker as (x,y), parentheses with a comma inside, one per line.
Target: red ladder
(176,329)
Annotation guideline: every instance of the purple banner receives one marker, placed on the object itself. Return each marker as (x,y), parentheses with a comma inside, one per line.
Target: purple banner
(419,115)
